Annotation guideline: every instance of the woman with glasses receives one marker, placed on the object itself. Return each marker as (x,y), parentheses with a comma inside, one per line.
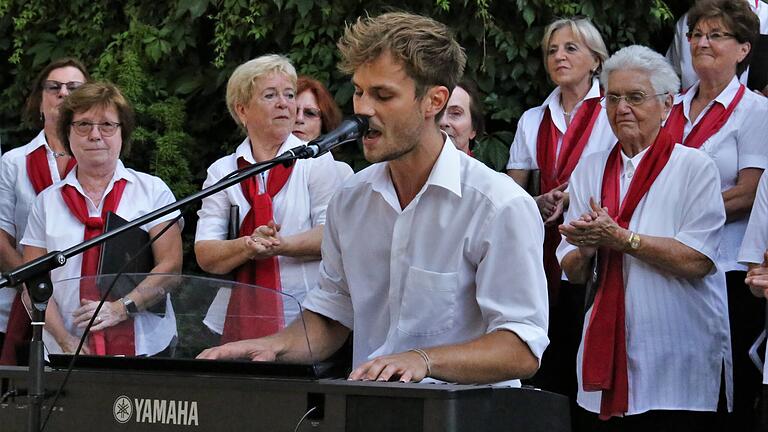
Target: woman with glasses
(679,53)
(317,114)
(462,118)
(643,226)
(95,126)
(722,118)
(24,172)
(280,213)
(552,139)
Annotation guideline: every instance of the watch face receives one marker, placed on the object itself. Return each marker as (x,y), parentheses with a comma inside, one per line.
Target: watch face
(130,306)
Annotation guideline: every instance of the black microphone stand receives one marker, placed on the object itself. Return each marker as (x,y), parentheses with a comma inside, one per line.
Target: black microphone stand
(35,274)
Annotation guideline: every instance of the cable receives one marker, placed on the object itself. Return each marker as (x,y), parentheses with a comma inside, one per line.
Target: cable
(301,420)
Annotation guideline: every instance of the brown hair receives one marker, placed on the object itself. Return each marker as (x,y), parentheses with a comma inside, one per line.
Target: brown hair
(476,108)
(97,95)
(31,111)
(330,113)
(426,48)
(737,17)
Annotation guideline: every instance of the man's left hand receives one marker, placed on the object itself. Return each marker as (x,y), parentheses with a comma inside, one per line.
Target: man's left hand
(408,366)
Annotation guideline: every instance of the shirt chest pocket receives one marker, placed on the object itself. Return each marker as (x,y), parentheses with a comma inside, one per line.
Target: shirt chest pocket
(429,302)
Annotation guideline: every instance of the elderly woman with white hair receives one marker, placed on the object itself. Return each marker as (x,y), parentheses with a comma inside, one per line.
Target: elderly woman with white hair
(643,225)
(281,212)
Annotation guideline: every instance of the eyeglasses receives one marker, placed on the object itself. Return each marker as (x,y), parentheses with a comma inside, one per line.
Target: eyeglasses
(715,36)
(310,113)
(634,98)
(52,86)
(83,128)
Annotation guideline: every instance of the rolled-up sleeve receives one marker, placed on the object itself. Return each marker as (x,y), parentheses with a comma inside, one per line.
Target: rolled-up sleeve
(511,284)
(213,221)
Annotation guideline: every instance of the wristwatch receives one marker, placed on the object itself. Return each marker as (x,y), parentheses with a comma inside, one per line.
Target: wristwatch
(130,306)
(634,240)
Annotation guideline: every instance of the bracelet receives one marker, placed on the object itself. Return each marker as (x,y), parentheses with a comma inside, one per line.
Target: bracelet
(424,356)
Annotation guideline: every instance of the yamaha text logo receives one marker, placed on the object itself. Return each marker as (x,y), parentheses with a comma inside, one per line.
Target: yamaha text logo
(155,411)
(122,409)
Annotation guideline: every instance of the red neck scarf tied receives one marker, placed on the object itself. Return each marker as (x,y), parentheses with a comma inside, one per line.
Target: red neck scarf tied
(556,169)
(709,125)
(19,330)
(118,339)
(253,313)
(604,363)
(37,169)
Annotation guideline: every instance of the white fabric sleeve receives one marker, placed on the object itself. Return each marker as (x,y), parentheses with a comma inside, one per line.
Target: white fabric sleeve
(330,297)
(703,217)
(7,191)
(751,137)
(520,156)
(756,237)
(161,197)
(514,238)
(213,216)
(34,235)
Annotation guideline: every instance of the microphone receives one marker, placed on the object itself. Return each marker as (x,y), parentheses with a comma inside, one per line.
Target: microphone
(350,129)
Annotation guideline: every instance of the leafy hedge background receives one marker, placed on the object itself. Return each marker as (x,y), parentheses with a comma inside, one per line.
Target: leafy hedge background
(173,58)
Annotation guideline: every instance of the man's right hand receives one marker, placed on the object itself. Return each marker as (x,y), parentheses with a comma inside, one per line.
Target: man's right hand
(262,349)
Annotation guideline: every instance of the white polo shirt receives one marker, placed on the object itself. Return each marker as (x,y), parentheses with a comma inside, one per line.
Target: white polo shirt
(677,332)
(739,144)
(461,260)
(17,197)
(522,152)
(52,226)
(298,207)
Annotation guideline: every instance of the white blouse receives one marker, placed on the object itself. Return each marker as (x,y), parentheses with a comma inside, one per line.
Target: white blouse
(739,144)
(52,226)
(522,152)
(298,207)
(17,197)
(677,332)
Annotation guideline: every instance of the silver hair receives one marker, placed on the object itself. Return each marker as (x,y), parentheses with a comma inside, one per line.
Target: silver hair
(637,57)
(240,84)
(584,30)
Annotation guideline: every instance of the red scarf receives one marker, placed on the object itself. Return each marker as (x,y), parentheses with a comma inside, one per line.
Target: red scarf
(604,364)
(19,330)
(118,339)
(253,313)
(37,169)
(709,125)
(556,170)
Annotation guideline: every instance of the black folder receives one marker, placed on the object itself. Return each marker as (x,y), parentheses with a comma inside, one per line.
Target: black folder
(118,250)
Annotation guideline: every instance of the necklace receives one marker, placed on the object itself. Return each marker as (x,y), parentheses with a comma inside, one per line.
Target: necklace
(60,154)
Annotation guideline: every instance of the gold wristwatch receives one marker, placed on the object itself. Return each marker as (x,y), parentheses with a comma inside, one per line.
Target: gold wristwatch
(634,240)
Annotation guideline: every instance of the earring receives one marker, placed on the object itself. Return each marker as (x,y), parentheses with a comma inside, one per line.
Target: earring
(42,117)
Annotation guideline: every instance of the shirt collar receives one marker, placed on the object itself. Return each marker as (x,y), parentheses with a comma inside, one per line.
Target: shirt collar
(724,98)
(634,161)
(120,173)
(446,173)
(553,102)
(244,149)
(38,141)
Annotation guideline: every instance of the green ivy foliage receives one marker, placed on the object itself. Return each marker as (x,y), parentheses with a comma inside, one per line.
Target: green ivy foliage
(173,58)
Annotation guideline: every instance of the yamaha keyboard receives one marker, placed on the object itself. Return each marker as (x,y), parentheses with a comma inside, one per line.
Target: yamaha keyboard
(136,400)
